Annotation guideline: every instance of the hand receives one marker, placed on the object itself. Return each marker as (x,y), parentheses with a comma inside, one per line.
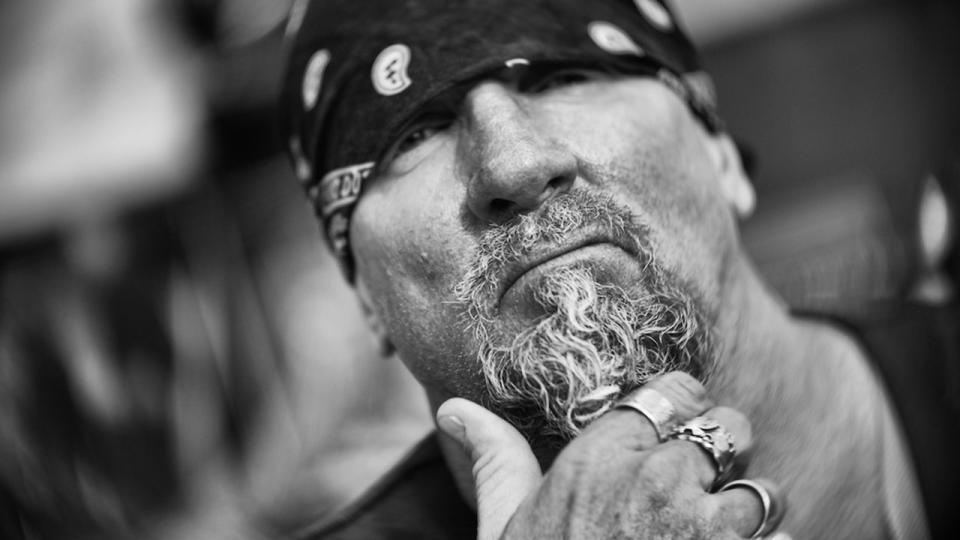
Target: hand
(616,480)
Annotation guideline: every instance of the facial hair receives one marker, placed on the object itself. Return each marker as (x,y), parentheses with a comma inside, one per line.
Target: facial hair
(597,341)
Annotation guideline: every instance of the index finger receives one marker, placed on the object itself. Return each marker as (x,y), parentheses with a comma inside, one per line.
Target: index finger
(634,430)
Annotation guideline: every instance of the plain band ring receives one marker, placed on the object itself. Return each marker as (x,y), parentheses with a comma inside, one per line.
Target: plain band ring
(654,406)
(765,500)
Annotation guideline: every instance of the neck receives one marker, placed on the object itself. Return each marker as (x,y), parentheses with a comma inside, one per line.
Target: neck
(815,408)
(814,405)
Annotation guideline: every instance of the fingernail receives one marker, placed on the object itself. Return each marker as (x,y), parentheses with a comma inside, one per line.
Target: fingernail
(453,426)
(780,536)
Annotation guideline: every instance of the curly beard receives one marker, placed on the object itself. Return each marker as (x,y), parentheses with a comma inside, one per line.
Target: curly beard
(597,340)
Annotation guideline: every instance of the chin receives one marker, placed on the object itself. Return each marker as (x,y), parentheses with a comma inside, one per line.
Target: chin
(570,311)
(594,343)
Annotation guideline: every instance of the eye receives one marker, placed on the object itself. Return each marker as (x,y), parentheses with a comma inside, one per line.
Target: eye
(416,137)
(560,78)
(414,141)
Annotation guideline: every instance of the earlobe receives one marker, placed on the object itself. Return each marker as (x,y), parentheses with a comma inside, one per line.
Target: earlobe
(373,320)
(734,182)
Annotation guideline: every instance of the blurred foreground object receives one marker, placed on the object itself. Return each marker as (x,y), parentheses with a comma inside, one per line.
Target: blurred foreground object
(100,110)
(173,361)
(100,114)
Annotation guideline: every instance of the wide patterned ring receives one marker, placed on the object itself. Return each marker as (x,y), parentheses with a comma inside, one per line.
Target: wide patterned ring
(714,439)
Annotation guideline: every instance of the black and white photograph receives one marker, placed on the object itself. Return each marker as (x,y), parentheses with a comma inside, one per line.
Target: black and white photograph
(479,269)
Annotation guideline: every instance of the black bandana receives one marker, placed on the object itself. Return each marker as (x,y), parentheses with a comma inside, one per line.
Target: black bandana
(358,69)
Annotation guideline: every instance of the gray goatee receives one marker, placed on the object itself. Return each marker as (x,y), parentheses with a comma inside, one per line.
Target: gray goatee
(597,340)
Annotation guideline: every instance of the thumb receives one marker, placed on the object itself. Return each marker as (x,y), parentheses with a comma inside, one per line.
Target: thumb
(505,470)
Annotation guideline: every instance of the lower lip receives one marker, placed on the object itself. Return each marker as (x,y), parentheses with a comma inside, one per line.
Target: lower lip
(519,292)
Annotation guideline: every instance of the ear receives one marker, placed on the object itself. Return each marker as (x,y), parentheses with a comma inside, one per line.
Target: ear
(373,320)
(734,182)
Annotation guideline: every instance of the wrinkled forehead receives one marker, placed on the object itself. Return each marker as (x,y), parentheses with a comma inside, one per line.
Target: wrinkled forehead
(359,69)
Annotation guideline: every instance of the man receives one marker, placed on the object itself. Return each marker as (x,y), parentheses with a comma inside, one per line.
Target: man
(537,205)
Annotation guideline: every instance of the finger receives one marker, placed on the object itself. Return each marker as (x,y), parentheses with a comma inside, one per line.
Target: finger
(744,510)
(634,430)
(741,433)
(505,470)
(736,424)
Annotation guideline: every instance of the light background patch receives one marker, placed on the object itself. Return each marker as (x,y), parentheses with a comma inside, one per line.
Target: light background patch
(303,168)
(389,73)
(612,39)
(656,14)
(702,85)
(313,77)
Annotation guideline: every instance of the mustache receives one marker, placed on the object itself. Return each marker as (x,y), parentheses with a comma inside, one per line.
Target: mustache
(506,244)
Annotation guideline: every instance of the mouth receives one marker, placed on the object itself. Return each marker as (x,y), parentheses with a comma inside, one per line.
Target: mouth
(541,259)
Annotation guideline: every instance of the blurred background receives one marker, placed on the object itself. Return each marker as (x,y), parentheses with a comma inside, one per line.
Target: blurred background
(179,357)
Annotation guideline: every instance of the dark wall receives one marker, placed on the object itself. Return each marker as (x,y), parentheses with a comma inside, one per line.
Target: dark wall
(848,110)
(869,87)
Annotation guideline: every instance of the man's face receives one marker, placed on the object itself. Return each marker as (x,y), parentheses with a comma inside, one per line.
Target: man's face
(540,248)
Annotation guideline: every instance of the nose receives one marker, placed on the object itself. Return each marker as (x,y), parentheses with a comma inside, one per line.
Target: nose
(513,165)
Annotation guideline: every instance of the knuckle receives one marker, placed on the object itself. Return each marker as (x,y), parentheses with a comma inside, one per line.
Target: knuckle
(487,465)
(594,449)
(491,472)
(664,464)
(683,381)
(687,395)
(709,510)
(660,459)
(571,468)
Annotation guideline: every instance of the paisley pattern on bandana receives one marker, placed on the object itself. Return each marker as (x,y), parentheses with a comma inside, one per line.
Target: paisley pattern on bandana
(313,78)
(612,39)
(656,14)
(389,73)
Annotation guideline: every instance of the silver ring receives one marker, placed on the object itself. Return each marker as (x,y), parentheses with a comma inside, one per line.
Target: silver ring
(714,439)
(654,407)
(769,503)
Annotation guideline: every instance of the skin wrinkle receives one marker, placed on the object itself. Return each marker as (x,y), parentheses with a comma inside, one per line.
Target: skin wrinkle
(596,341)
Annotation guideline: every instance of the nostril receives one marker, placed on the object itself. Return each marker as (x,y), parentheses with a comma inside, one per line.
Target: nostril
(557,183)
(500,207)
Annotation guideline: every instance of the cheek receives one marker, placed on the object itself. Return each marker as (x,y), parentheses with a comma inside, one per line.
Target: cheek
(662,168)
(406,230)
(411,251)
